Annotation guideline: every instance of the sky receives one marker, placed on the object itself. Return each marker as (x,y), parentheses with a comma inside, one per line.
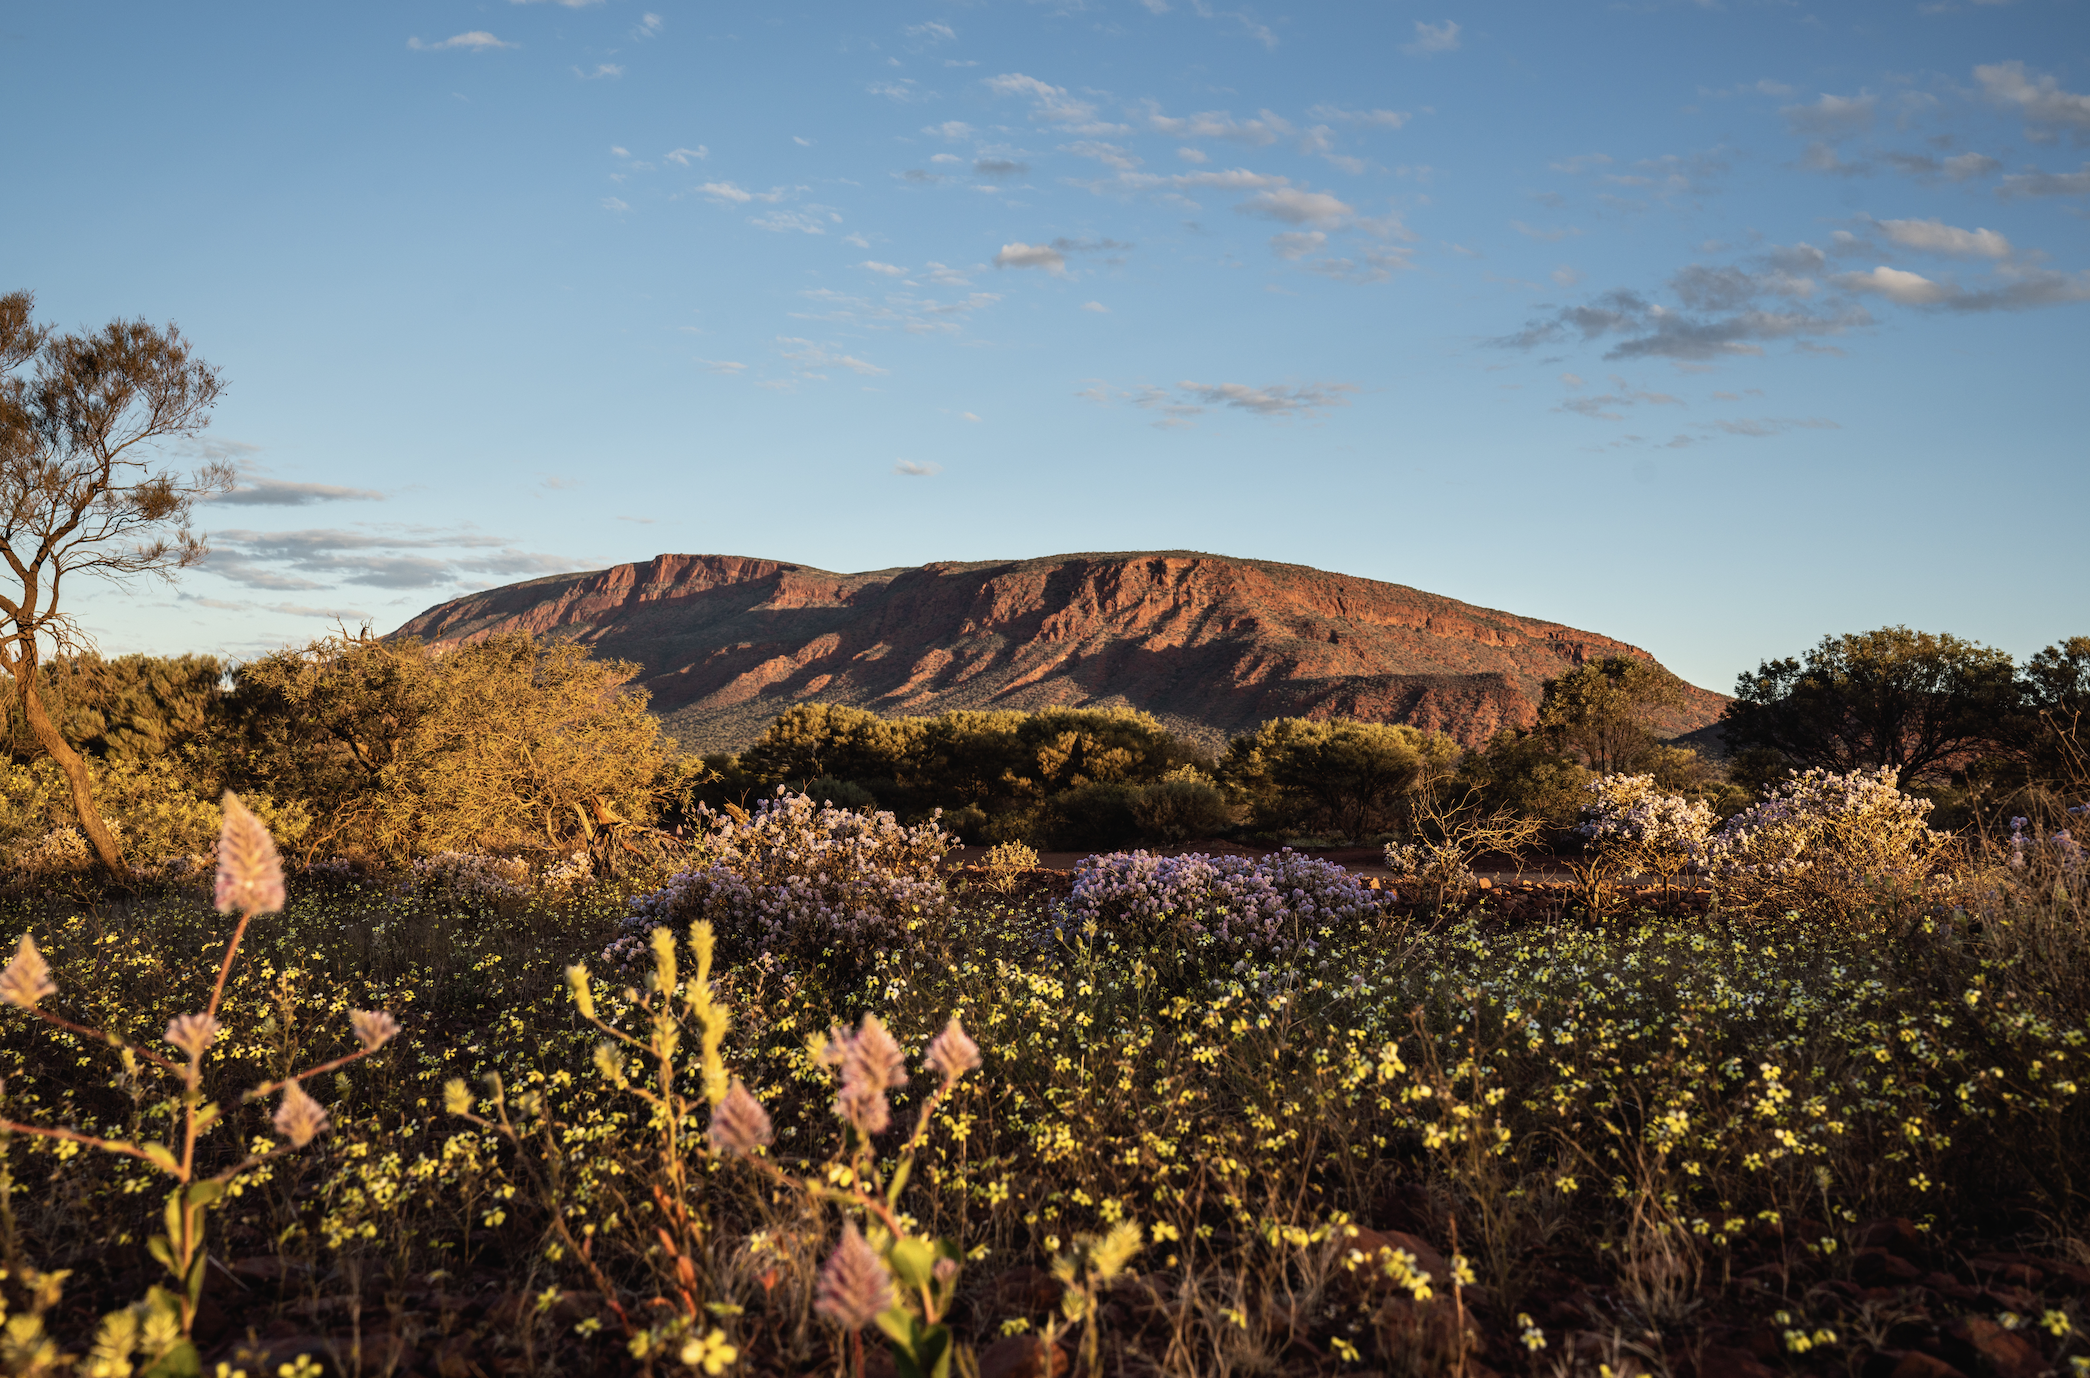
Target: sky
(1715,327)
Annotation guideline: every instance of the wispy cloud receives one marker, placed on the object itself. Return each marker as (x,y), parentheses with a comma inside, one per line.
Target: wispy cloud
(1433,38)
(1021,255)
(477,41)
(1936,237)
(2039,99)
(808,357)
(265,492)
(908,468)
(372,556)
(2047,183)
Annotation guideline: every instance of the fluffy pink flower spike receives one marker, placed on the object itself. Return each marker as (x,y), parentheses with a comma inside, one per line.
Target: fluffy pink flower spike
(250,874)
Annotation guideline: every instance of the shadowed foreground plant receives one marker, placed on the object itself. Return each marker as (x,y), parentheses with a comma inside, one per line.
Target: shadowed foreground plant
(880,1273)
(249,882)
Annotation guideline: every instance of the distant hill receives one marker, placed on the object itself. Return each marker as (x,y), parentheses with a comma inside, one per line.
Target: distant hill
(1210,645)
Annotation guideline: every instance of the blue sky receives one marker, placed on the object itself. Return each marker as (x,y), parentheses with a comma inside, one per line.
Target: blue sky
(1716,327)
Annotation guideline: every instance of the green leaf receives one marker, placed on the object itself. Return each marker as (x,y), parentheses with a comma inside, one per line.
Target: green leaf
(900,1175)
(914,1261)
(162,1158)
(204,1193)
(182,1361)
(929,1356)
(162,1250)
(898,1326)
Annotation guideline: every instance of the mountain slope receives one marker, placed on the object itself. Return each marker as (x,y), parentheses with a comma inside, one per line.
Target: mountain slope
(1209,644)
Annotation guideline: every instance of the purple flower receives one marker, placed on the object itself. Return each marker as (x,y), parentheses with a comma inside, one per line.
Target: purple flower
(853,1287)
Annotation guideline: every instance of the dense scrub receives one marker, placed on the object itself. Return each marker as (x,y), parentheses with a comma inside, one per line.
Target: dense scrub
(1357,1134)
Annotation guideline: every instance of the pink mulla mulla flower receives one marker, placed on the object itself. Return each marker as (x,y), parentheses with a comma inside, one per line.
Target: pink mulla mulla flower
(373,1028)
(192,1033)
(952,1052)
(853,1287)
(250,874)
(872,1064)
(740,1124)
(27,978)
(299,1118)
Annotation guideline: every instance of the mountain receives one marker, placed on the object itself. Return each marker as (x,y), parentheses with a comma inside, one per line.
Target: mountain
(1209,644)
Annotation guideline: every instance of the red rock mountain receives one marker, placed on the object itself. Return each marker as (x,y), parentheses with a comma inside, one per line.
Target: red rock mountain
(1208,644)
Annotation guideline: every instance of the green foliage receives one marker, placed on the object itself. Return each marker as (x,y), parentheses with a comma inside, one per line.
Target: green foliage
(154,805)
(1061,777)
(1526,774)
(1184,806)
(132,708)
(1332,775)
(1598,712)
(1920,703)
(506,744)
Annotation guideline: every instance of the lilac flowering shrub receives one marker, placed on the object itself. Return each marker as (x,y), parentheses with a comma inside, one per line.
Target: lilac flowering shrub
(1631,822)
(1279,905)
(804,878)
(1846,839)
(2058,848)
(469,880)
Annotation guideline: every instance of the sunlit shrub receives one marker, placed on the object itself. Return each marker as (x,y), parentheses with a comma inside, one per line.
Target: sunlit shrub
(1843,840)
(1633,825)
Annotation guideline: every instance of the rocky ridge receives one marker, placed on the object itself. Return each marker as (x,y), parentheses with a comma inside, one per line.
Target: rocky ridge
(1209,644)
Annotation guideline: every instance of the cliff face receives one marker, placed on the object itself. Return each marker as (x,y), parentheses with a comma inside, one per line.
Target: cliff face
(1210,645)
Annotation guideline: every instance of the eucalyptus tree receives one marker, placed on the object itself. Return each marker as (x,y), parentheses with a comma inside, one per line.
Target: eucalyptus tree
(86,488)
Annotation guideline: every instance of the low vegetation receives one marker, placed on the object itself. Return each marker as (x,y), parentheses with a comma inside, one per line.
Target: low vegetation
(802,1100)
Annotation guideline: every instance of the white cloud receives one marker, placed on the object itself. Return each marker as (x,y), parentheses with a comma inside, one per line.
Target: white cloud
(1297,244)
(950,129)
(1384,119)
(2018,289)
(649,25)
(911,469)
(1193,155)
(2047,183)
(1573,380)
(1433,38)
(1777,425)
(1304,399)
(903,90)
(969,416)
(726,366)
(724,192)
(1110,155)
(1297,207)
(1832,117)
(1962,166)
(615,203)
(272,493)
(789,222)
(1564,276)
(889,269)
(931,32)
(2041,99)
(1021,255)
(1095,306)
(1550,236)
(808,356)
(1936,237)
(1049,104)
(1218,124)
(683,157)
(477,41)
(602,70)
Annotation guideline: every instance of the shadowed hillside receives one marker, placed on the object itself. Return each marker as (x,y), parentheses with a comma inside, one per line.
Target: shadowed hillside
(1209,644)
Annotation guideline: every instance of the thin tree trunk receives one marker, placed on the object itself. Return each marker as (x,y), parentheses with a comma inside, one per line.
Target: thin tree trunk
(54,744)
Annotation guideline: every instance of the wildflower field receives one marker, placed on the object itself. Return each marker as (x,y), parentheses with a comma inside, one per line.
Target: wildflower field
(802,1099)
